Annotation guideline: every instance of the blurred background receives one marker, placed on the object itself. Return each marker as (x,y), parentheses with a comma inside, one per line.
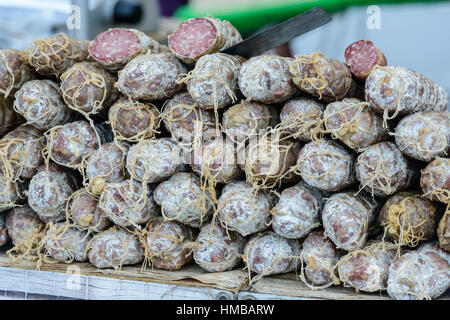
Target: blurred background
(414,34)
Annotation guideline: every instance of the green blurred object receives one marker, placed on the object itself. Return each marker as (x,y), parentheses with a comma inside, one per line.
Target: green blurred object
(250,20)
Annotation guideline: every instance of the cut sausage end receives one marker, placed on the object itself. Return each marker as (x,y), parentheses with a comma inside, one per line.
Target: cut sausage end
(193,37)
(115,44)
(362,56)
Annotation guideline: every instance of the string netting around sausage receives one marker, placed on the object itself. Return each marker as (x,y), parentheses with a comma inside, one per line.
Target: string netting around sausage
(269,269)
(317,81)
(400,225)
(418,144)
(50,55)
(299,125)
(148,237)
(374,250)
(74,92)
(349,126)
(139,111)
(95,183)
(270,149)
(176,116)
(10,76)
(436,189)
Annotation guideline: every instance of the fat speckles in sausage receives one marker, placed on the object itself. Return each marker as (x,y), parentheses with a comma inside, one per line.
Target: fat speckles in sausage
(297,211)
(326,165)
(301,117)
(268,253)
(114,48)
(85,212)
(197,37)
(396,91)
(424,135)
(214,81)
(151,77)
(49,190)
(408,218)
(216,160)
(114,248)
(87,88)
(354,123)
(166,243)
(383,170)
(66,244)
(266,79)
(420,274)
(362,56)
(319,256)
(21,152)
(128,203)
(105,165)
(325,78)
(13,72)
(348,219)
(367,269)
(39,102)
(435,180)
(182,199)
(247,119)
(133,120)
(185,120)
(243,209)
(217,250)
(154,160)
(68,144)
(55,54)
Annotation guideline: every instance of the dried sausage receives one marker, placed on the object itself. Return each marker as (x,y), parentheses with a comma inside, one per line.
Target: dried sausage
(115,47)
(49,190)
(128,203)
(383,170)
(297,211)
(420,274)
(154,160)
(39,102)
(14,72)
(244,209)
(362,56)
(84,211)
(348,219)
(182,198)
(435,180)
(197,37)
(424,135)
(354,123)
(87,88)
(151,77)
(166,242)
(408,218)
(266,79)
(217,250)
(325,78)
(326,165)
(214,81)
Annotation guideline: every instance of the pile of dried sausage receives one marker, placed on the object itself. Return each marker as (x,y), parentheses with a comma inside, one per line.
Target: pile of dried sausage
(121,151)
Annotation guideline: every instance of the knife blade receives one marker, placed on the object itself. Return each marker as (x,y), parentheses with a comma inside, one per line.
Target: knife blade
(280,33)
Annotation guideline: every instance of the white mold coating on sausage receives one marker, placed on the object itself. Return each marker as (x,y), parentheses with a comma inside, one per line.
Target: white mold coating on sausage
(243,209)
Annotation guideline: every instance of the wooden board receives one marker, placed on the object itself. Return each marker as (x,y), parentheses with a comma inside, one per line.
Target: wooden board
(21,280)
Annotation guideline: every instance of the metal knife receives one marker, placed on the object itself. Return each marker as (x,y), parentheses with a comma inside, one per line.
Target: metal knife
(280,33)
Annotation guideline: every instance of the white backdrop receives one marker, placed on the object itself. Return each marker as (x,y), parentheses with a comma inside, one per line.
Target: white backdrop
(416,36)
